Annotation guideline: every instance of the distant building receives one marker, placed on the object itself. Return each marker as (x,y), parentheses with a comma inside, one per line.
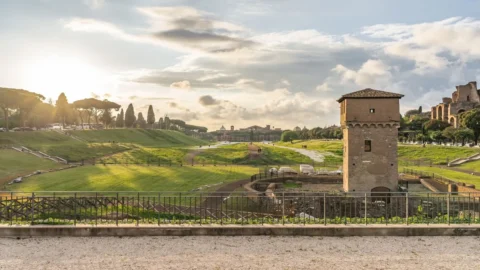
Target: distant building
(222,128)
(465,98)
(243,134)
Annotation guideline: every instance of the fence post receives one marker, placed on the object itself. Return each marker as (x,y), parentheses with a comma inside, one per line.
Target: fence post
(159,209)
(75,210)
(138,207)
(448,208)
(283,208)
(324,209)
(116,220)
(406,208)
(366,221)
(33,208)
(96,208)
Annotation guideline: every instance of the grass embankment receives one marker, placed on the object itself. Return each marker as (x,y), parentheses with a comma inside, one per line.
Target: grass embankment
(133,178)
(142,155)
(439,155)
(143,137)
(472,166)
(56,144)
(275,155)
(235,153)
(13,164)
(449,174)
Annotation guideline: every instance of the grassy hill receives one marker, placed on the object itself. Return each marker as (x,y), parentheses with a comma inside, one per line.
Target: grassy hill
(436,154)
(472,166)
(14,163)
(143,137)
(134,178)
(95,143)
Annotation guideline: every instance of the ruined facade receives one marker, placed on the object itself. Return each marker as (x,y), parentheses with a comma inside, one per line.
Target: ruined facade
(370,119)
(465,98)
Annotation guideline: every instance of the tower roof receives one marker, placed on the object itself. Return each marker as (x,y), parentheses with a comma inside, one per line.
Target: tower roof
(370,93)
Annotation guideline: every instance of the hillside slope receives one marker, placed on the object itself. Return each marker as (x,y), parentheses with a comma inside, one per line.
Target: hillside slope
(144,137)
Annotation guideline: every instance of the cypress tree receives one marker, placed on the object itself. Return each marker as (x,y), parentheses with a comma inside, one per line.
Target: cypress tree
(141,123)
(120,120)
(150,116)
(130,117)
(62,108)
(160,123)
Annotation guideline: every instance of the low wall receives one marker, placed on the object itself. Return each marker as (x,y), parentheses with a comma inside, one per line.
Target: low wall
(475,192)
(434,185)
(334,231)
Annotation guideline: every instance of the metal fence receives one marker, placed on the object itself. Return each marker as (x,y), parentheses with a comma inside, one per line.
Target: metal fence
(158,208)
(423,174)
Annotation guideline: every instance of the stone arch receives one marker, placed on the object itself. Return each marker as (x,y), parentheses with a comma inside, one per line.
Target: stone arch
(440,113)
(452,121)
(380,194)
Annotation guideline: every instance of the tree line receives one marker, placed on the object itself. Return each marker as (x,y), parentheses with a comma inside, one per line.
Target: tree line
(332,132)
(22,108)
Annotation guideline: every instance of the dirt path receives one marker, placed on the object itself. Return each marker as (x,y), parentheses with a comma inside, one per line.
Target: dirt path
(241,252)
(253,152)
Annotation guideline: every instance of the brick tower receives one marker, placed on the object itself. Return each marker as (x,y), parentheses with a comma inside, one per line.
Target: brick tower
(370,120)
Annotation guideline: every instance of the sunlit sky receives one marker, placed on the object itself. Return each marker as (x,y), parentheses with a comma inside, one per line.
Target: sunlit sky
(240,62)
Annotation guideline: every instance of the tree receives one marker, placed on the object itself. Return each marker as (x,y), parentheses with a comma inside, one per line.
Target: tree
(42,115)
(167,123)
(463,135)
(61,106)
(288,136)
(120,123)
(420,109)
(160,123)
(449,133)
(106,118)
(471,120)
(14,99)
(411,113)
(150,116)
(130,117)
(437,136)
(435,125)
(105,107)
(141,123)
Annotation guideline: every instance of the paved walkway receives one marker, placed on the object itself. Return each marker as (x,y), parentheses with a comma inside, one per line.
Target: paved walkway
(258,252)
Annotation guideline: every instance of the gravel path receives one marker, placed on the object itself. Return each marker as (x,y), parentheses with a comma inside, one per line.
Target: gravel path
(241,253)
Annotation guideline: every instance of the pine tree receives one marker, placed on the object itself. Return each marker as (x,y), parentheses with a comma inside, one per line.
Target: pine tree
(120,123)
(420,109)
(141,123)
(150,116)
(62,108)
(130,117)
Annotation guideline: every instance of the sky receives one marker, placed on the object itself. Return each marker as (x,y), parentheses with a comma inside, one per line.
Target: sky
(240,62)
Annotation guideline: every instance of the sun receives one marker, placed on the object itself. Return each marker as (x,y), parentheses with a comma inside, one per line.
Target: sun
(54,74)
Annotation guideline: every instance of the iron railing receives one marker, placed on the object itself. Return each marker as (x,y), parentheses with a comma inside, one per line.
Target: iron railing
(158,208)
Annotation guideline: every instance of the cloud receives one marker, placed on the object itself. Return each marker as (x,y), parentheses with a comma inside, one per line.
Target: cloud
(207,100)
(172,105)
(132,97)
(107,95)
(324,87)
(94,4)
(181,85)
(371,73)
(94,95)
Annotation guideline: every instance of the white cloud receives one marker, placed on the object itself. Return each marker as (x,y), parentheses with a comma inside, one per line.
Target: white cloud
(94,4)
(181,85)
(324,87)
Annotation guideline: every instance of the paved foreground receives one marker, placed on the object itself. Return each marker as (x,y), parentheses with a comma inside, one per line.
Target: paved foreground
(241,253)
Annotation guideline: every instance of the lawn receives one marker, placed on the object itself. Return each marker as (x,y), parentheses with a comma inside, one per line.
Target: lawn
(143,137)
(14,163)
(472,166)
(134,178)
(235,153)
(275,155)
(437,154)
(143,155)
(449,174)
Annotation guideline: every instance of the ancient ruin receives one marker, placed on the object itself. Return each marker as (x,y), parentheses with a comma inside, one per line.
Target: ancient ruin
(370,119)
(465,98)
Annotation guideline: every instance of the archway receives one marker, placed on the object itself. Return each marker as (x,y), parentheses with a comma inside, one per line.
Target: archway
(380,194)
(452,121)
(440,113)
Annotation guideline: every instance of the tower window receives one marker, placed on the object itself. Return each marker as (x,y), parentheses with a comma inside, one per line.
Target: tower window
(372,110)
(368,146)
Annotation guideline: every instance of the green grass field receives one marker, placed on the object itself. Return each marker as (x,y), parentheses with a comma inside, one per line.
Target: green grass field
(143,155)
(275,155)
(472,166)
(13,164)
(143,137)
(449,174)
(437,154)
(235,153)
(133,178)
